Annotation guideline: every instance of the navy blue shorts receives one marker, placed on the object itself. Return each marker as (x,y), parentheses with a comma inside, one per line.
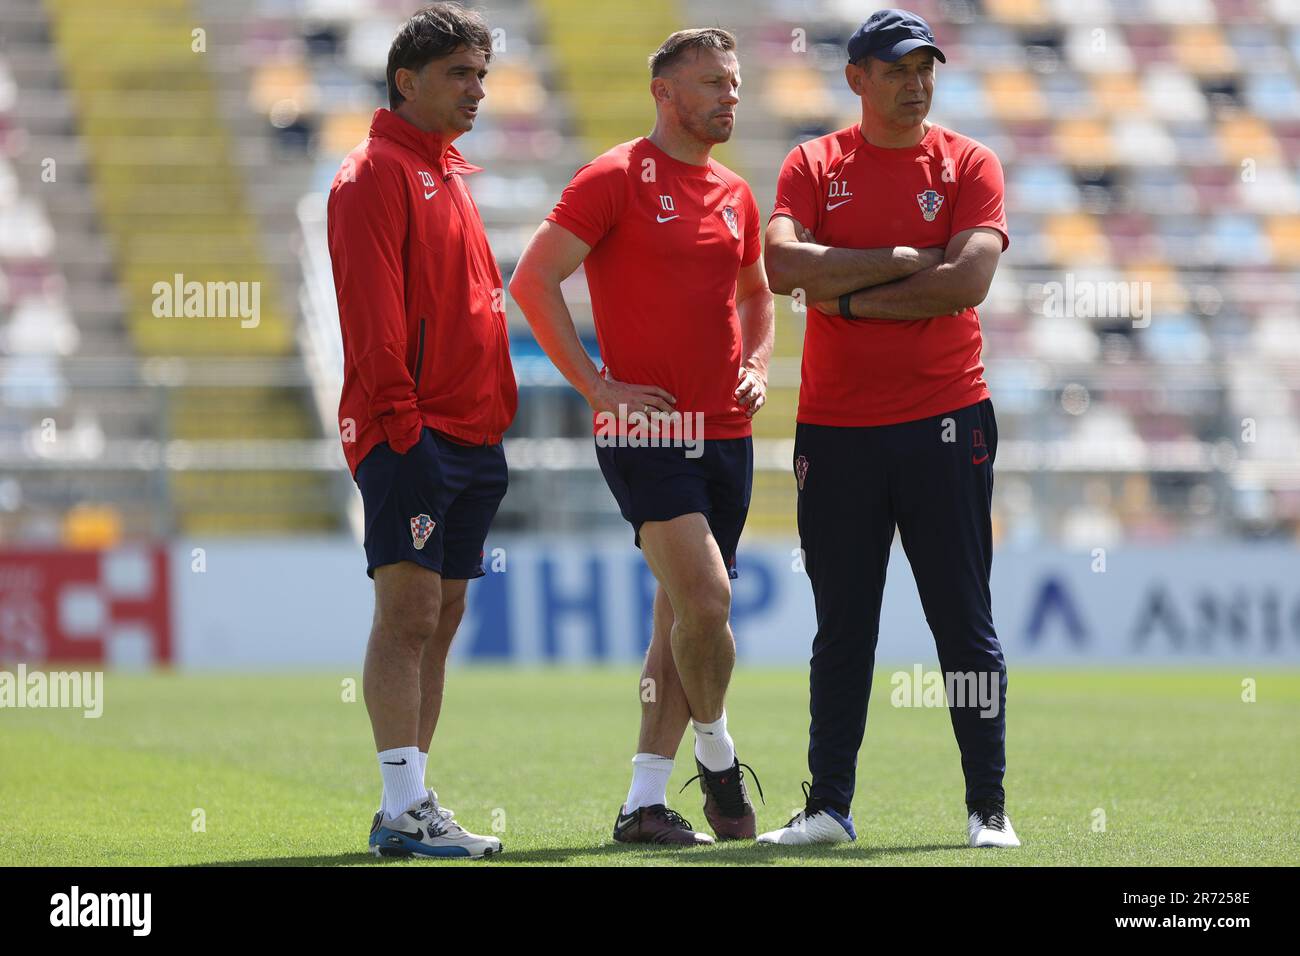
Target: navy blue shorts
(659,484)
(433,505)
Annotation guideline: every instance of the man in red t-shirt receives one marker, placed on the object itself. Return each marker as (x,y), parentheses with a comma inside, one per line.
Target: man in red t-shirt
(890,230)
(670,242)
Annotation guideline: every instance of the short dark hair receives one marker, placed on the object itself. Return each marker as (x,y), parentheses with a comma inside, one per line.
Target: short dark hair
(437,30)
(705,38)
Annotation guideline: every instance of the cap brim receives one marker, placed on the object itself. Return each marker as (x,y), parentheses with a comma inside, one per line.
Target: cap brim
(904,47)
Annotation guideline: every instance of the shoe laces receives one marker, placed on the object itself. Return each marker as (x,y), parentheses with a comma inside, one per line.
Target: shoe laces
(810,809)
(672,817)
(731,798)
(991,816)
(444,823)
(796,820)
(807,810)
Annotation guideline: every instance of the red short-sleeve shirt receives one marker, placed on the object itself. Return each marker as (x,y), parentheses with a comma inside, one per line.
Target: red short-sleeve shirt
(855,195)
(667,241)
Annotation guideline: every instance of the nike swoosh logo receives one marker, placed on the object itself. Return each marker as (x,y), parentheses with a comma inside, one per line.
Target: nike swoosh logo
(669,219)
(978,461)
(829,207)
(396,763)
(431,195)
(417,835)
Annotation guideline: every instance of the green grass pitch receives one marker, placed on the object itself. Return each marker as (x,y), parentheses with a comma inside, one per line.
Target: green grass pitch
(283,770)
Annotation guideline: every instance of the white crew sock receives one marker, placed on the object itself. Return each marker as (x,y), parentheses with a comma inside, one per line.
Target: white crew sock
(424,769)
(713,745)
(403,779)
(650,773)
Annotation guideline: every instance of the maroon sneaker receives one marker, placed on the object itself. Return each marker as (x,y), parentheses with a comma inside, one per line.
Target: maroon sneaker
(657,824)
(726,801)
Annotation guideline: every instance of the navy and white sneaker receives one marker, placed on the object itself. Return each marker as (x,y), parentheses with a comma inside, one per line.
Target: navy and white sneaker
(426,829)
(813,824)
(989,825)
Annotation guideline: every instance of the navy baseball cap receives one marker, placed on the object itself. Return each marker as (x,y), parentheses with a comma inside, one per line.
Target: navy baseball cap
(890,34)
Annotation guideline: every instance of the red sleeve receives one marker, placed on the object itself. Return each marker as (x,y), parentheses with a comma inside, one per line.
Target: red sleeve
(753,237)
(796,191)
(367,229)
(592,202)
(979,201)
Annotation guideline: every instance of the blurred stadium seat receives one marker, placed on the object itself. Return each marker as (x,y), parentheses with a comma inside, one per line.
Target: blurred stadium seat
(1152,142)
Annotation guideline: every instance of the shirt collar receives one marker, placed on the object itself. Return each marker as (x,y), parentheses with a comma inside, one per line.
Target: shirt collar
(429,146)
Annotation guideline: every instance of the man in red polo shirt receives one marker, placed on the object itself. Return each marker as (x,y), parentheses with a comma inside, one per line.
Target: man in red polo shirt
(428,391)
(891,230)
(670,241)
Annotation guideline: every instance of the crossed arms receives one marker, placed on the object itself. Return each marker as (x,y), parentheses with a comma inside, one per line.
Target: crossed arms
(896,282)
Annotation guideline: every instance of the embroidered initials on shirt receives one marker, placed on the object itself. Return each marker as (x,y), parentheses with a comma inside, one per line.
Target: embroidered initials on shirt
(430,185)
(839,189)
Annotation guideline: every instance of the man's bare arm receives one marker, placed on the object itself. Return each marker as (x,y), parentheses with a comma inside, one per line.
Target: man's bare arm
(795,261)
(960,282)
(554,254)
(757,312)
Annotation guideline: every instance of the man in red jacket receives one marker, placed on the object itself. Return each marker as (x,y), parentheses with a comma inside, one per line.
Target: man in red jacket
(428,391)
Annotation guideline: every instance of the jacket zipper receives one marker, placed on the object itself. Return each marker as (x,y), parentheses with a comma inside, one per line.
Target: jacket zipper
(460,213)
(419,355)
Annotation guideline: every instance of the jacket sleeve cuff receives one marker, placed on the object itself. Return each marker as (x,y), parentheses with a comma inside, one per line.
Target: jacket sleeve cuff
(403,433)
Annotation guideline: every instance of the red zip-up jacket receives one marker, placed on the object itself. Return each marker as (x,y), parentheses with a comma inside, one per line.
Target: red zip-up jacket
(421,301)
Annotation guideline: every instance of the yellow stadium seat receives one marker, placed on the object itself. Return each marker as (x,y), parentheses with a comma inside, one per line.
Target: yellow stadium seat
(1168,294)
(274,82)
(340,132)
(797,93)
(1119,95)
(1015,11)
(1073,239)
(1014,95)
(91,527)
(1080,141)
(515,90)
(1202,51)
(1284,235)
(1247,137)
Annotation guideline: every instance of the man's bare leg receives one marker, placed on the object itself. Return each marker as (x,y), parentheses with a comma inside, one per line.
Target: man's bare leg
(416,615)
(665,711)
(691,670)
(408,600)
(433,663)
(685,559)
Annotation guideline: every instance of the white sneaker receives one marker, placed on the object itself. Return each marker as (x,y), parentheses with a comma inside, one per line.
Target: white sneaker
(805,829)
(426,829)
(989,825)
